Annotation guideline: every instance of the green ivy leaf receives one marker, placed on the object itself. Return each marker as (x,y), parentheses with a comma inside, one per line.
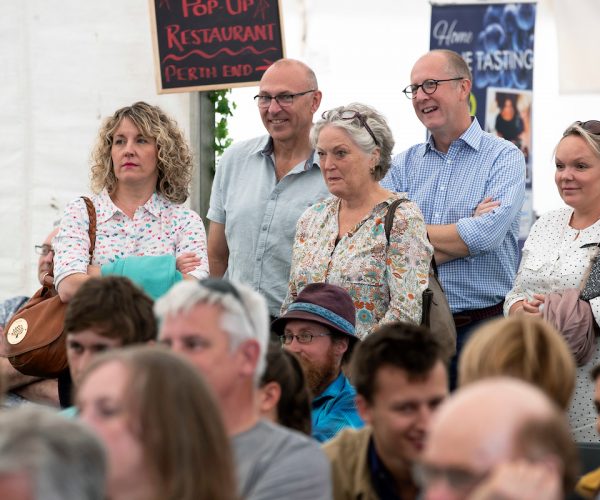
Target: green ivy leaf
(223,109)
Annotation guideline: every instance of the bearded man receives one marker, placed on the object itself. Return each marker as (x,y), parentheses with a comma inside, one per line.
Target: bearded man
(318,328)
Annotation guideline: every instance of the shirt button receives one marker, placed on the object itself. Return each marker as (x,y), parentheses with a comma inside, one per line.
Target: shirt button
(442,188)
(264,228)
(448,162)
(436,215)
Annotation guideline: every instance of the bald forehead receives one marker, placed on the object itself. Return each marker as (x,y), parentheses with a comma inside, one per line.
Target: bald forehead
(289,72)
(435,62)
(497,399)
(482,419)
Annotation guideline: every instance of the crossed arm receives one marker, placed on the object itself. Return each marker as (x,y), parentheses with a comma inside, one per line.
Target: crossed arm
(446,240)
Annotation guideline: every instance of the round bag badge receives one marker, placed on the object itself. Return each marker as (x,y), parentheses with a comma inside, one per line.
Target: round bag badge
(17,331)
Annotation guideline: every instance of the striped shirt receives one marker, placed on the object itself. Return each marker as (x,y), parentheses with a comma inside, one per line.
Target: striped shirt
(447,187)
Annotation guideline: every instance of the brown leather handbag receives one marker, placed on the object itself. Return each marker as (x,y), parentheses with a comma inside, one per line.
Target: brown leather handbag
(34,340)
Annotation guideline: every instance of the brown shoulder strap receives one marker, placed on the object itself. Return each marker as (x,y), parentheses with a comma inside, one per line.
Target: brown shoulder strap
(389,218)
(389,222)
(92,228)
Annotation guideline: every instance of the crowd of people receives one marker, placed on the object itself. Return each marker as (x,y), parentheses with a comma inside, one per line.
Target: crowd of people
(283,355)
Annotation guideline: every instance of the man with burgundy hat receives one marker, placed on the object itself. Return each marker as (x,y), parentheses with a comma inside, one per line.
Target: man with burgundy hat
(318,328)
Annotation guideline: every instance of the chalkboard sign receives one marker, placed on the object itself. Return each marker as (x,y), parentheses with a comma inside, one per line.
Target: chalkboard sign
(214,44)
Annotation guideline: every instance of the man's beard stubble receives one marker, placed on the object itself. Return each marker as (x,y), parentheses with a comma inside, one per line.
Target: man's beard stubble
(318,377)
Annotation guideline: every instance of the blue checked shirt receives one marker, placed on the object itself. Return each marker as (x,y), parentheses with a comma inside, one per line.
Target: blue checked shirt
(334,410)
(447,187)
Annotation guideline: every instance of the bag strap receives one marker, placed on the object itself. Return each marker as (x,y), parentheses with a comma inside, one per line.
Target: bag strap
(389,218)
(91,210)
(389,222)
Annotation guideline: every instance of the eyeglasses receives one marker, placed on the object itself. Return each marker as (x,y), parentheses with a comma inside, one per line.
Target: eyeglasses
(303,338)
(351,114)
(284,100)
(428,86)
(591,126)
(44,249)
(458,479)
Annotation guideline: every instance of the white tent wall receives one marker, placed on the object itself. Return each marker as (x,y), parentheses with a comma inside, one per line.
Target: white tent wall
(67,64)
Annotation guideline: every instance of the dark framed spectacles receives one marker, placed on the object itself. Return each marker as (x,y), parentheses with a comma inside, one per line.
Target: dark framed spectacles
(284,100)
(44,249)
(429,86)
(303,338)
(351,114)
(591,126)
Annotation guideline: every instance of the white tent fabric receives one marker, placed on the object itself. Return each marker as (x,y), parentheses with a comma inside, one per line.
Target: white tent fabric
(579,71)
(65,66)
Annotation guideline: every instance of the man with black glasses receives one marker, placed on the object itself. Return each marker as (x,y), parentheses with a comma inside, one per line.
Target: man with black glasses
(318,328)
(263,185)
(470,186)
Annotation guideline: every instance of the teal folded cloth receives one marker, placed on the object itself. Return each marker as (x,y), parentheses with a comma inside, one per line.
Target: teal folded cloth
(154,274)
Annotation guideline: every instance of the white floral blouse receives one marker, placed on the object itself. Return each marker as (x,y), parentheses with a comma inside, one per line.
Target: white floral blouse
(385,282)
(160,227)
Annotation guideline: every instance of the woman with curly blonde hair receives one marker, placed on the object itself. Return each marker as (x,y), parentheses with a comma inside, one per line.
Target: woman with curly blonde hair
(140,174)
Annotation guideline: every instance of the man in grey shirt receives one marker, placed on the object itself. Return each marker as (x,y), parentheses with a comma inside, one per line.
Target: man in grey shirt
(223,330)
(263,185)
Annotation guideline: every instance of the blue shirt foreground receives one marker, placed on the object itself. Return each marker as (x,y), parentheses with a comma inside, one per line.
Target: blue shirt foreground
(335,409)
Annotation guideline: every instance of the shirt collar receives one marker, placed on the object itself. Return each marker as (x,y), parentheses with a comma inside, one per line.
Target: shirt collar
(383,482)
(106,208)
(332,390)
(312,161)
(472,137)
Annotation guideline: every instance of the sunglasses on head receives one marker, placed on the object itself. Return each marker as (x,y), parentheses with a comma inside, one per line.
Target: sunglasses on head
(591,126)
(225,287)
(351,114)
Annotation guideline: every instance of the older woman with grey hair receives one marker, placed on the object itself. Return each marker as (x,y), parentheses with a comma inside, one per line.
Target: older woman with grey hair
(342,240)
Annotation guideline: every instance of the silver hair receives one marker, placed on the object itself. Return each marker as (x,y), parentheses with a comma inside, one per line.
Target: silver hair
(243,319)
(359,134)
(62,457)
(593,140)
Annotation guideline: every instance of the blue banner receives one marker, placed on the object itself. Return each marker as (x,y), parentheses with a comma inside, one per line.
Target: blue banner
(496,41)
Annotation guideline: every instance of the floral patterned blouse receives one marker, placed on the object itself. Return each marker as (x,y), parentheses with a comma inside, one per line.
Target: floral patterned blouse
(159,227)
(385,282)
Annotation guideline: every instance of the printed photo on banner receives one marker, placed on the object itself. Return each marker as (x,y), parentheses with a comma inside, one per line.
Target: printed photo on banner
(508,115)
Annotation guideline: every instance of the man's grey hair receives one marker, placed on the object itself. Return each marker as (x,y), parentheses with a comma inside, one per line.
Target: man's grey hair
(244,317)
(62,457)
